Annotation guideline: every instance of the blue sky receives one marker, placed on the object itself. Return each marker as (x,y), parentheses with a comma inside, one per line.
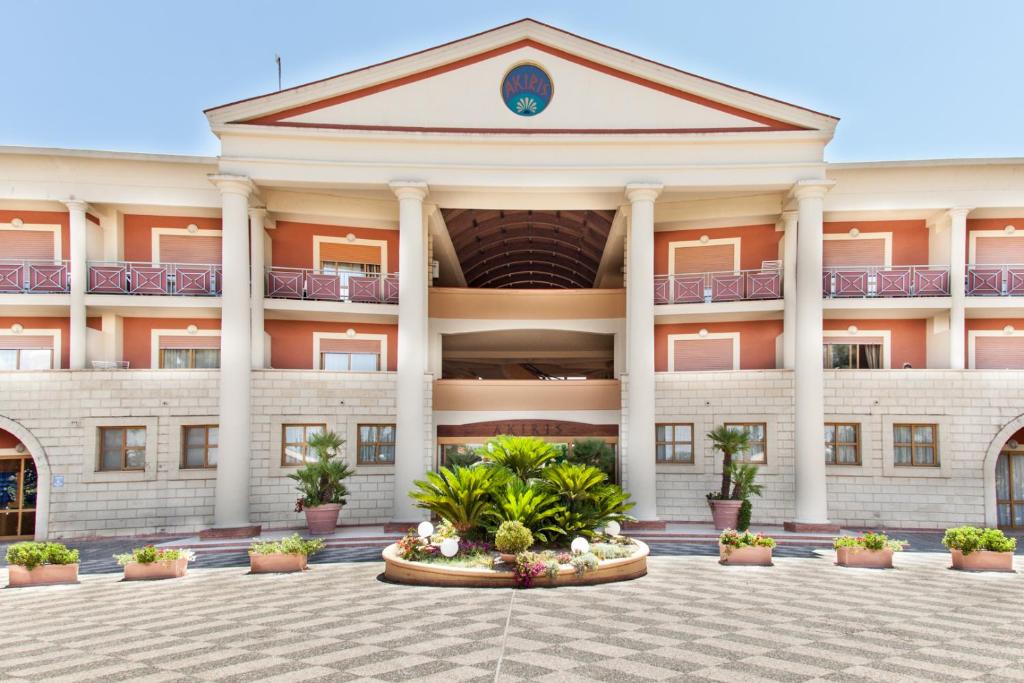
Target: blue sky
(909,79)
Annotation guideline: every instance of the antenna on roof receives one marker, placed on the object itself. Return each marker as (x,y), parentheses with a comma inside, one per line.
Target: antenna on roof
(277,58)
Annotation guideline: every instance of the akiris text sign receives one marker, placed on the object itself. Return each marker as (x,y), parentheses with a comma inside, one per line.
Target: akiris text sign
(526,90)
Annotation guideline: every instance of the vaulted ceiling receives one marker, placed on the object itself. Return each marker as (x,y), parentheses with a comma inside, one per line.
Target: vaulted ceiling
(529,249)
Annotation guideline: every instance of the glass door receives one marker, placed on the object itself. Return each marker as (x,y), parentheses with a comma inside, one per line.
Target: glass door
(18,487)
(1010,490)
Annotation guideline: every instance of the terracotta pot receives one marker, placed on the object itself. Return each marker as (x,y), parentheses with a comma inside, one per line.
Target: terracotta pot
(725,513)
(507,558)
(276,563)
(166,569)
(43,575)
(757,555)
(862,557)
(323,519)
(983,561)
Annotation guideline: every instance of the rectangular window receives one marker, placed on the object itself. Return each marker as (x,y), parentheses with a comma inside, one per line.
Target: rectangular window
(673,443)
(122,449)
(376,445)
(842,443)
(294,447)
(350,362)
(852,356)
(757,454)
(26,359)
(915,445)
(189,358)
(199,446)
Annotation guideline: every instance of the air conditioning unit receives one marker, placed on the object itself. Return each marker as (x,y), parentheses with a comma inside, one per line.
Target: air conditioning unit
(109,365)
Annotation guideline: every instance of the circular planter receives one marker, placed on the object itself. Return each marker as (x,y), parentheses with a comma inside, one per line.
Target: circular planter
(425,574)
(725,513)
(322,519)
(43,575)
(982,561)
(749,555)
(862,557)
(277,563)
(150,571)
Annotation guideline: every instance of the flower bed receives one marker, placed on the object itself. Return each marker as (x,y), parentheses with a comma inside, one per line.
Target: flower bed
(869,550)
(745,548)
(150,563)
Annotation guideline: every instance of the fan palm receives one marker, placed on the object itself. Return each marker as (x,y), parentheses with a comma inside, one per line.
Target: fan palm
(322,481)
(530,505)
(730,441)
(526,457)
(460,495)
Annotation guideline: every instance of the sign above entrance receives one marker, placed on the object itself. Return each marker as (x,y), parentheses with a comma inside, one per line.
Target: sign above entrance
(526,90)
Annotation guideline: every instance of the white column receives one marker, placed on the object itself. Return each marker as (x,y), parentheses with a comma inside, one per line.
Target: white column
(811,494)
(257,216)
(79,276)
(640,461)
(410,399)
(789,289)
(957,284)
(231,503)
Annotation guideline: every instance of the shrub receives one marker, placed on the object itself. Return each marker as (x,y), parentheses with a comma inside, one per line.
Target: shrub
(292,545)
(735,539)
(149,554)
(512,538)
(321,482)
(746,511)
(869,541)
(596,453)
(30,555)
(967,539)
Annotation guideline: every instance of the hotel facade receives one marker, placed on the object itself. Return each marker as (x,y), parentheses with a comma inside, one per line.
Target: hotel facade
(521,232)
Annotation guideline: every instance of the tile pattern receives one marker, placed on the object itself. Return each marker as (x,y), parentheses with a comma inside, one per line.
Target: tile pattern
(688,620)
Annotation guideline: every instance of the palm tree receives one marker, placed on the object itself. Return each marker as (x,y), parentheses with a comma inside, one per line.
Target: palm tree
(730,441)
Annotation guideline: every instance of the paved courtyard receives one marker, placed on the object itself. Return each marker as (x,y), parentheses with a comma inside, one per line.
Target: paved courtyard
(688,620)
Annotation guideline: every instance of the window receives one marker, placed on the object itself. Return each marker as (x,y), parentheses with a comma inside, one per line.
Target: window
(26,359)
(842,443)
(376,445)
(673,443)
(189,358)
(915,445)
(199,446)
(122,449)
(345,269)
(294,443)
(757,454)
(350,362)
(852,356)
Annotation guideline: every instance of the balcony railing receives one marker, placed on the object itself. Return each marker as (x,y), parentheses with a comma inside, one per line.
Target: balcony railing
(159,279)
(730,285)
(884,281)
(318,285)
(992,280)
(36,277)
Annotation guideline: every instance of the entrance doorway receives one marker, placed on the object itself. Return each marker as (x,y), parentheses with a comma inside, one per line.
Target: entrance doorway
(1010,489)
(18,492)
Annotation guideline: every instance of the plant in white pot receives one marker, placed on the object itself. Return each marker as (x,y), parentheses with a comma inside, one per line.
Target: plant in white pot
(725,503)
(321,483)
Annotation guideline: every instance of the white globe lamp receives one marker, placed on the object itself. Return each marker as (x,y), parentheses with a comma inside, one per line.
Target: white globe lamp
(425,529)
(612,528)
(580,545)
(449,547)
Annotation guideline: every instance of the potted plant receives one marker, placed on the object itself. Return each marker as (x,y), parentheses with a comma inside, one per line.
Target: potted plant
(975,549)
(511,539)
(149,562)
(869,550)
(743,487)
(321,484)
(745,548)
(725,509)
(41,564)
(287,555)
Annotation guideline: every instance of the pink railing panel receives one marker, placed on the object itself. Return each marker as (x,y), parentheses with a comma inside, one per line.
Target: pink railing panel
(766,285)
(391,289)
(662,287)
(364,289)
(984,281)
(894,282)
(688,289)
(284,284)
(12,277)
(931,282)
(323,287)
(726,287)
(1015,281)
(851,283)
(193,280)
(148,280)
(108,279)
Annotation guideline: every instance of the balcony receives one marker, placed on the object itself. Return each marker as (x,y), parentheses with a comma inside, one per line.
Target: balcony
(318,285)
(760,284)
(33,277)
(516,395)
(993,280)
(154,279)
(870,282)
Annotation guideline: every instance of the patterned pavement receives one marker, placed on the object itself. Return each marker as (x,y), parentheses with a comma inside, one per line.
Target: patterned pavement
(689,620)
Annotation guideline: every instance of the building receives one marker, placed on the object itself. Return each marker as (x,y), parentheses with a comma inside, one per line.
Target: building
(522,231)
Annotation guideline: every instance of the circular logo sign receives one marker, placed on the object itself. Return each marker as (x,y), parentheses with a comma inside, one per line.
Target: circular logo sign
(526,90)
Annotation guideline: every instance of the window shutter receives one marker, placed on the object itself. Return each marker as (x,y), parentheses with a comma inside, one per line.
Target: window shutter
(189,342)
(703,354)
(712,258)
(854,340)
(349,346)
(27,245)
(349,253)
(999,250)
(999,353)
(204,249)
(18,341)
(853,252)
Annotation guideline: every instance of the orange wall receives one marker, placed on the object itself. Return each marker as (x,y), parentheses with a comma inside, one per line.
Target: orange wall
(909,238)
(989,224)
(8,440)
(908,338)
(138,338)
(291,341)
(987,324)
(757,243)
(138,232)
(293,242)
(44,218)
(48,323)
(757,341)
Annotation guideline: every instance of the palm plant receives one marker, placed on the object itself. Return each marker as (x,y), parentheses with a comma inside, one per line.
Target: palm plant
(530,505)
(743,487)
(321,481)
(524,456)
(460,495)
(730,442)
(588,500)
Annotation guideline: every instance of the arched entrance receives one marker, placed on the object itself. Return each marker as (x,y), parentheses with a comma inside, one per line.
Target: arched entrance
(24,484)
(1004,477)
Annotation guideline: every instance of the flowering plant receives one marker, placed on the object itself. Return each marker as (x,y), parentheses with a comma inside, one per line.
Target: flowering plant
(528,567)
(731,538)
(869,540)
(149,554)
